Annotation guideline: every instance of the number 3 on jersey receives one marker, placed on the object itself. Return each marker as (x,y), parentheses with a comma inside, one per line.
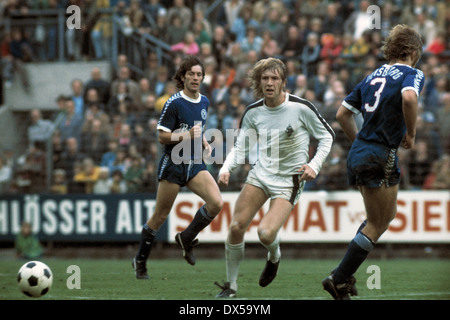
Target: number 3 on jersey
(377,94)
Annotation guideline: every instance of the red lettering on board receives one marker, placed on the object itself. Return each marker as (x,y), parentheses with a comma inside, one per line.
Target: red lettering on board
(314,207)
(428,215)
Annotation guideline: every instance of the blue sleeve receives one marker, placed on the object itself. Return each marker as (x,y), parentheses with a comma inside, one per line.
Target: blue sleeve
(353,101)
(414,80)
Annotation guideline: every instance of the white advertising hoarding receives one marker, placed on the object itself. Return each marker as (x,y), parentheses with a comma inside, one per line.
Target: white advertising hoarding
(422,216)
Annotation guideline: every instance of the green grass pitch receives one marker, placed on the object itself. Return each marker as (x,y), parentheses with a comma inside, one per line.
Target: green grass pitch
(174,279)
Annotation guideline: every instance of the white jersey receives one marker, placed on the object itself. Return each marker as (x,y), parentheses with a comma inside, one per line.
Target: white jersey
(283,135)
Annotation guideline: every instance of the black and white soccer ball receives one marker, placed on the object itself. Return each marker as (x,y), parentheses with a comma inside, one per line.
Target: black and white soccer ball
(35,279)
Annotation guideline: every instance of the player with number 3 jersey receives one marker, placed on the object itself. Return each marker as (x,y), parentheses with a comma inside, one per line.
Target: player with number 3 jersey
(388,101)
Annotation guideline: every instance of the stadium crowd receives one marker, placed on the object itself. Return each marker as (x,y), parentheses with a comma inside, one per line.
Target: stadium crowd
(104,134)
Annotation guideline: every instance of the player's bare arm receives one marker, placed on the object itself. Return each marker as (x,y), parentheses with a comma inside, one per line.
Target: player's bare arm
(345,118)
(165,137)
(410,105)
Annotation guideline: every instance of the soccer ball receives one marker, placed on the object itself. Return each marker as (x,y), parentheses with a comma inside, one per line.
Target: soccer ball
(35,279)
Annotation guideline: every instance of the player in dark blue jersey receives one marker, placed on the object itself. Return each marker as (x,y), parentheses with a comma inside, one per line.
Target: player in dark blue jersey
(180,131)
(388,101)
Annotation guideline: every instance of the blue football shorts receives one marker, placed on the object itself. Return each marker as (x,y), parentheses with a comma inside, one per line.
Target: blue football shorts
(372,165)
(181,173)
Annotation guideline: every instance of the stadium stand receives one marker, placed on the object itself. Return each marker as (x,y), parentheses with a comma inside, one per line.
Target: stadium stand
(104,83)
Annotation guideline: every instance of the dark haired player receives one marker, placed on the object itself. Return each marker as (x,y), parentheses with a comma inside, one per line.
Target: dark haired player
(388,101)
(180,131)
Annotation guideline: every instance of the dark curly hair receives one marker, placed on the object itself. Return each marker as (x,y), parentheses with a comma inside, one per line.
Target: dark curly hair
(401,43)
(185,66)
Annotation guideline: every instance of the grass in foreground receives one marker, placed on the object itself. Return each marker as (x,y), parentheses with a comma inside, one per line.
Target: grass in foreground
(174,279)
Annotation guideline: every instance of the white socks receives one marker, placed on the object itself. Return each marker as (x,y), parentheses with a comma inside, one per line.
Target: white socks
(234,253)
(274,253)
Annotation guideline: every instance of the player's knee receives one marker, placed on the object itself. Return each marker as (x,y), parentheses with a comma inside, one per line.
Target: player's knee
(236,228)
(266,236)
(214,207)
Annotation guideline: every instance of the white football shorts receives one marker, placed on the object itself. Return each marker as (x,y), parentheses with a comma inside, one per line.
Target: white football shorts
(276,186)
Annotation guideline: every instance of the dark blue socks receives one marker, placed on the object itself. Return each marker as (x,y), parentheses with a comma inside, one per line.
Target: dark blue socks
(147,240)
(200,222)
(357,252)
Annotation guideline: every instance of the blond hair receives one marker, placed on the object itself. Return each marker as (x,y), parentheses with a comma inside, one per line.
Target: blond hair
(272,64)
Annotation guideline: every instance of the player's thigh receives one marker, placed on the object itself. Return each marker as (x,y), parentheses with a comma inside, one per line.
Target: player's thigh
(250,200)
(165,197)
(276,216)
(204,185)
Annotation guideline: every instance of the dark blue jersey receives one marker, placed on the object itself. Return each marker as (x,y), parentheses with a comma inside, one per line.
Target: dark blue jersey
(180,114)
(379,98)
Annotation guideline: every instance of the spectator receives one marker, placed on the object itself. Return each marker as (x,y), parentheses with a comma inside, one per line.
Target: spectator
(103,183)
(252,41)
(149,177)
(359,20)
(220,92)
(160,81)
(117,183)
(200,34)
(188,46)
(439,176)
(169,91)
(71,123)
(59,182)
(146,90)
(181,10)
(219,43)
(40,129)
(15,51)
(269,46)
(300,86)
(121,97)
(102,32)
(438,44)
(98,83)
(275,26)
(133,175)
(332,21)
(91,97)
(87,176)
(293,46)
(232,9)
(77,96)
(132,85)
(331,48)
(94,141)
(96,112)
(5,176)
(175,32)
(419,164)
(311,55)
(242,22)
(33,168)
(426,28)
(27,245)
(109,157)
(69,157)
(135,14)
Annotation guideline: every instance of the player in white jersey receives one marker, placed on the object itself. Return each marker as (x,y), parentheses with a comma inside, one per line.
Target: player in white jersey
(281,124)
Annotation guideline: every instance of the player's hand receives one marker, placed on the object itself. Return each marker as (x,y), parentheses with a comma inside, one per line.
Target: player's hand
(408,141)
(207,150)
(223,179)
(307,173)
(196,131)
